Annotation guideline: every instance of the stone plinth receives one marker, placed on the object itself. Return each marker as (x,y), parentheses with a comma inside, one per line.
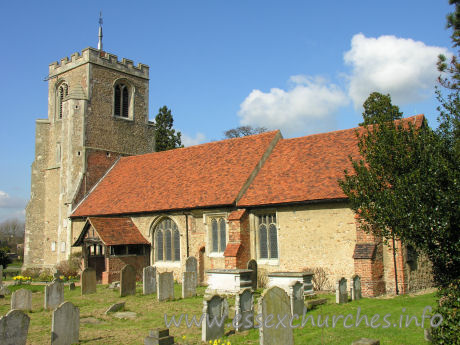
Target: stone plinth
(228,281)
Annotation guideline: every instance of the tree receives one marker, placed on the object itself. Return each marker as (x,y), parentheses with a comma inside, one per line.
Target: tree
(166,138)
(5,260)
(378,107)
(243,131)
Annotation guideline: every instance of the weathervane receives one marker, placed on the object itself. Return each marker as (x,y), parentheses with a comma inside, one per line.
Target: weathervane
(99,45)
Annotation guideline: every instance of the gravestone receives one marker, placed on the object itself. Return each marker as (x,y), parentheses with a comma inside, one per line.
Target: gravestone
(341,293)
(159,336)
(72,286)
(215,310)
(252,265)
(14,327)
(244,308)
(88,281)
(22,300)
(127,281)
(165,286)
(191,264)
(297,298)
(356,288)
(149,282)
(115,307)
(275,302)
(54,295)
(188,284)
(65,324)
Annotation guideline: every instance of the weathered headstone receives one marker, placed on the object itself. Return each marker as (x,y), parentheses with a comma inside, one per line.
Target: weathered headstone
(191,264)
(65,324)
(341,292)
(159,336)
(252,265)
(297,298)
(22,300)
(115,307)
(88,281)
(127,281)
(72,286)
(244,309)
(54,295)
(216,312)
(188,284)
(149,280)
(14,327)
(366,341)
(275,302)
(356,288)
(165,286)
(4,291)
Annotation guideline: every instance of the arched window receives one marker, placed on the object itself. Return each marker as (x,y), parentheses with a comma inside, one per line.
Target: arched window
(121,100)
(218,235)
(268,239)
(167,241)
(62,92)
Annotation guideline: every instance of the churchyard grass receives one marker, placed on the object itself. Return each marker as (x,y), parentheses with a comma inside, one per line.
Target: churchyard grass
(98,328)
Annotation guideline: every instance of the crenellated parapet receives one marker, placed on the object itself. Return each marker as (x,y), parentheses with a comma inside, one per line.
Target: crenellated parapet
(91,55)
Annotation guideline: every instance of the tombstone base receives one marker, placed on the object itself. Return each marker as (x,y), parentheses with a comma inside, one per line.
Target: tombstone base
(159,336)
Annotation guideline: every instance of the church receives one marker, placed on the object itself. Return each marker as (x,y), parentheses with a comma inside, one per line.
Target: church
(99,187)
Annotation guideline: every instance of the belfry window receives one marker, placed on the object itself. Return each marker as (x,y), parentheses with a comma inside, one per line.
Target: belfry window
(268,236)
(167,241)
(63,91)
(121,100)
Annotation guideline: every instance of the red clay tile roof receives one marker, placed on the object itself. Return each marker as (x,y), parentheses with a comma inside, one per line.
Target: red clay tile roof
(114,231)
(306,168)
(205,175)
(236,215)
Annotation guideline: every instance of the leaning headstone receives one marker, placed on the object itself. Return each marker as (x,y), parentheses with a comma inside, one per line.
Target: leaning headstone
(22,300)
(165,286)
(14,327)
(54,295)
(244,309)
(356,288)
(297,298)
(127,281)
(275,303)
(72,286)
(366,341)
(115,307)
(188,284)
(159,336)
(65,324)
(216,312)
(88,281)
(252,265)
(149,282)
(341,293)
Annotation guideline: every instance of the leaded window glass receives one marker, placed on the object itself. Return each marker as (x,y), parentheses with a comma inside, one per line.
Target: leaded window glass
(268,240)
(222,235)
(121,100)
(167,241)
(218,235)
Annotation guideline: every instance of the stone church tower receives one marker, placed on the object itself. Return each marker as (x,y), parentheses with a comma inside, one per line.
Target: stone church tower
(97,112)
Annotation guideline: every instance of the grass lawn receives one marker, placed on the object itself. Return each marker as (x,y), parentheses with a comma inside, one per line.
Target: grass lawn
(110,330)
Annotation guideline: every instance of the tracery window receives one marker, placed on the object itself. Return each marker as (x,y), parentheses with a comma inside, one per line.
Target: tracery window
(167,241)
(268,236)
(218,235)
(63,91)
(121,100)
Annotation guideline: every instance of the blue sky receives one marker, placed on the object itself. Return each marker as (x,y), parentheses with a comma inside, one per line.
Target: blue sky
(301,66)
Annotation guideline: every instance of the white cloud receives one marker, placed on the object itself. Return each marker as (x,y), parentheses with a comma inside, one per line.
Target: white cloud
(11,207)
(190,141)
(404,68)
(308,106)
